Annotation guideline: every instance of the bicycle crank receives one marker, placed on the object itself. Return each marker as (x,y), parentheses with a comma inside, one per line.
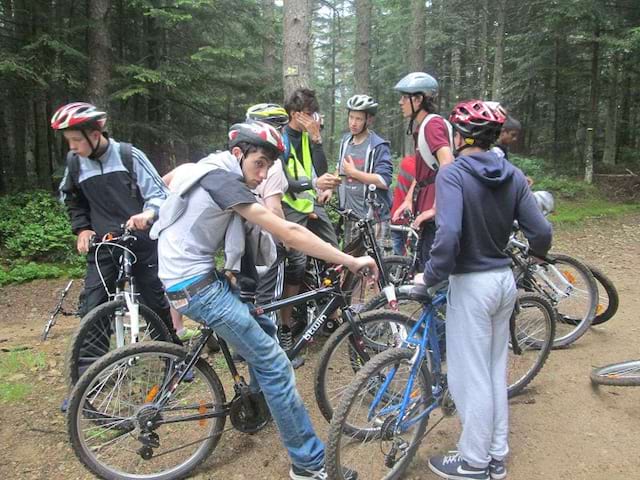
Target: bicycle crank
(249,412)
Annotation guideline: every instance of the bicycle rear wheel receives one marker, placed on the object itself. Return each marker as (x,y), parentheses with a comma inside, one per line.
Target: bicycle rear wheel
(624,374)
(95,336)
(386,444)
(112,414)
(534,330)
(339,361)
(608,299)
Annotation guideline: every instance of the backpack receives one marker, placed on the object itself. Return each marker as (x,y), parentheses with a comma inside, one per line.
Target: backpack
(126,155)
(423,147)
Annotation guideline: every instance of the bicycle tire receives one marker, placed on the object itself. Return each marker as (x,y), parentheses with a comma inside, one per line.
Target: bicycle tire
(570,325)
(89,341)
(381,431)
(409,303)
(535,336)
(135,362)
(339,362)
(607,307)
(621,374)
(359,292)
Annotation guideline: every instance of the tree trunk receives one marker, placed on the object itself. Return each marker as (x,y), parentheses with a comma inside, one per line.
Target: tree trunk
(556,98)
(496,90)
(43,161)
(588,160)
(297,35)
(455,73)
(611,124)
(269,44)
(99,49)
(30,144)
(362,53)
(484,21)
(418,35)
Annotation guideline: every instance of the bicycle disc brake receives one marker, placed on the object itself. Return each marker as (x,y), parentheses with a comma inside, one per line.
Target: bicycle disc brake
(249,412)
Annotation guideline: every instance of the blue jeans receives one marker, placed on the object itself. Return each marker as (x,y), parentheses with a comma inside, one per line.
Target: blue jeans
(399,240)
(219,308)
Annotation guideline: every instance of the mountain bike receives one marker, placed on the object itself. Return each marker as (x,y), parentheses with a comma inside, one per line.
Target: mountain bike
(608,299)
(138,413)
(622,374)
(59,310)
(383,415)
(119,321)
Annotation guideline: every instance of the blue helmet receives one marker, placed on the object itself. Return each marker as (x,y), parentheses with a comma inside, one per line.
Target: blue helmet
(418,83)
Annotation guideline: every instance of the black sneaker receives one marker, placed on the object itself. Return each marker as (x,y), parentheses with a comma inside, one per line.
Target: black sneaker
(453,466)
(297,473)
(497,469)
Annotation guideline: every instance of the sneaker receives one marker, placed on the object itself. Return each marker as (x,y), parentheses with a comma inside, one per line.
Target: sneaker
(64,406)
(453,466)
(297,473)
(285,337)
(497,469)
(187,334)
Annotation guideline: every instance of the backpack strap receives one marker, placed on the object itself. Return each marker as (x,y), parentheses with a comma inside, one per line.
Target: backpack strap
(126,155)
(73,164)
(423,146)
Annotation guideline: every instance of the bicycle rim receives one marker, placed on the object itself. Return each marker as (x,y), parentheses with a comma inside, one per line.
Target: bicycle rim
(534,332)
(114,401)
(386,444)
(624,374)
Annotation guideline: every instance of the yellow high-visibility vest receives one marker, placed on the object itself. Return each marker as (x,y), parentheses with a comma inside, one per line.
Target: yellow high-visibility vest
(303,201)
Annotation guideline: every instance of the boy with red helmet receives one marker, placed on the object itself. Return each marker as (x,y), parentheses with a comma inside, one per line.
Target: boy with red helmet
(479,196)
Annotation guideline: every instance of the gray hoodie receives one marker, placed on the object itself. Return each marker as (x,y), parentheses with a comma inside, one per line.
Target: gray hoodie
(478,197)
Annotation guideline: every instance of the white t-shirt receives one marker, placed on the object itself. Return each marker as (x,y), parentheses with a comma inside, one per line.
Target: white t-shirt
(275,183)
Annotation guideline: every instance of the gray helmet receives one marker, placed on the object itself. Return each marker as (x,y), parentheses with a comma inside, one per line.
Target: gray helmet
(362,103)
(545,201)
(418,83)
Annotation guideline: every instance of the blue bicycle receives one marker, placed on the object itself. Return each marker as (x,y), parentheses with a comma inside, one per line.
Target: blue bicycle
(383,415)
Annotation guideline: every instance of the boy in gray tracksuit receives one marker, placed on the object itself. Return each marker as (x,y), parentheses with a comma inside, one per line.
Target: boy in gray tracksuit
(479,196)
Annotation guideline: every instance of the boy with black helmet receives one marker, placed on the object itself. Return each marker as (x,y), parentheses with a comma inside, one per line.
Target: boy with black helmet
(365,159)
(195,222)
(433,145)
(479,196)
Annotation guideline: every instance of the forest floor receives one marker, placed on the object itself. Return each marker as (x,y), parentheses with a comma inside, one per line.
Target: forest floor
(560,428)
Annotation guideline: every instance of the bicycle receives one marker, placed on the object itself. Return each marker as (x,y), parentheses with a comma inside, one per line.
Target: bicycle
(622,374)
(58,310)
(121,320)
(608,299)
(385,410)
(104,412)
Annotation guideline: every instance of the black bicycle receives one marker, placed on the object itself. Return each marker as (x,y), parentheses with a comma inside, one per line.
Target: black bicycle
(156,410)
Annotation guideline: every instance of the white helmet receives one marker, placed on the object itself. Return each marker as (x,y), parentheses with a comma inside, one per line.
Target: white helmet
(362,103)
(545,202)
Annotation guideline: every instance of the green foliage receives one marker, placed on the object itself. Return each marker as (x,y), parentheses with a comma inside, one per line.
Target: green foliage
(25,272)
(34,226)
(575,212)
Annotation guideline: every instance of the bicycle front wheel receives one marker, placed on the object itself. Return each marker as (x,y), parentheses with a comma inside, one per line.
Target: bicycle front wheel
(625,374)
(339,360)
(96,336)
(390,426)
(533,331)
(118,431)
(608,299)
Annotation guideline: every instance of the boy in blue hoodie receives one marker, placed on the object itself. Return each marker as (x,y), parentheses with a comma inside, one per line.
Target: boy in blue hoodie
(478,197)
(365,159)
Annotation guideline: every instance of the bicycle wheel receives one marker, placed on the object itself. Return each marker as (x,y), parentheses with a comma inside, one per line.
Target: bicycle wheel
(572,290)
(409,304)
(608,299)
(339,361)
(112,414)
(624,374)
(534,330)
(95,336)
(386,443)
(360,291)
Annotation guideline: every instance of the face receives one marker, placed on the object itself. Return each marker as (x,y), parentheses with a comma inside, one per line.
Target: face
(508,137)
(405,104)
(78,143)
(255,166)
(357,122)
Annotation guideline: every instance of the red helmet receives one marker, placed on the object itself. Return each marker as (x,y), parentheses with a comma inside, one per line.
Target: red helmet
(259,134)
(78,116)
(478,120)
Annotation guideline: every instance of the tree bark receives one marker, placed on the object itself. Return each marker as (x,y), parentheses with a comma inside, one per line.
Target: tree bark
(362,53)
(484,21)
(99,49)
(611,124)
(455,73)
(297,35)
(588,161)
(30,144)
(496,89)
(418,35)
(269,44)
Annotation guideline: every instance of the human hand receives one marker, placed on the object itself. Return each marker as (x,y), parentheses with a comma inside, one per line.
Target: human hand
(327,182)
(141,221)
(423,217)
(348,166)
(324,196)
(310,124)
(399,213)
(364,266)
(84,240)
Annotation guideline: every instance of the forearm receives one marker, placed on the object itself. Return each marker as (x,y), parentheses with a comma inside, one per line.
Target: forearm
(303,240)
(370,179)
(319,159)
(409,198)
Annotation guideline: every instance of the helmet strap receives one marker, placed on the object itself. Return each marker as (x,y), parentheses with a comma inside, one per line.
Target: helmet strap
(95,149)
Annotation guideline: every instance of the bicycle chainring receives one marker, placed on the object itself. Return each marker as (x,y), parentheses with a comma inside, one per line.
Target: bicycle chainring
(249,412)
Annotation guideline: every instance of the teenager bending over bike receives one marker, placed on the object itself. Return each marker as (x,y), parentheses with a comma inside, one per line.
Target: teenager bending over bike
(107,184)
(194,224)
(479,196)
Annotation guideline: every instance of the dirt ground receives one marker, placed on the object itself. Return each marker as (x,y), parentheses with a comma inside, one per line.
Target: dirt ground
(561,428)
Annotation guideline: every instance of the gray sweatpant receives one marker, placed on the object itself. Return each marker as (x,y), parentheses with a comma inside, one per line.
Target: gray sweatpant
(479,306)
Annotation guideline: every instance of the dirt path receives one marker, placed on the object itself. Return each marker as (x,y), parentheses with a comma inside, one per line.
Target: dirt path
(561,428)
